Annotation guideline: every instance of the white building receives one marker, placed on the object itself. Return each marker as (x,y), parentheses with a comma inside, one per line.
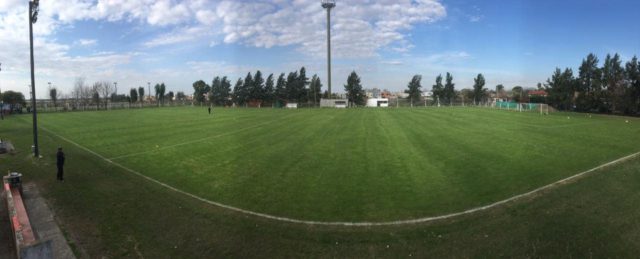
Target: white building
(334,103)
(377,102)
(292,106)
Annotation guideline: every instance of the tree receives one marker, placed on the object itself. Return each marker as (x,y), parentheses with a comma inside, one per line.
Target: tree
(561,87)
(516,93)
(315,87)
(291,86)
(414,91)
(301,85)
(53,93)
(95,93)
(500,91)
(238,93)
(156,88)
(106,90)
(133,94)
(355,94)
(13,98)
(244,92)
(216,88)
(479,92)
(163,90)
(281,90)
(632,74)
(79,91)
(438,89)
(269,90)
(180,96)
(589,85)
(141,94)
(119,97)
(169,96)
(466,94)
(225,90)
(256,90)
(449,89)
(160,90)
(200,89)
(220,89)
(613,78)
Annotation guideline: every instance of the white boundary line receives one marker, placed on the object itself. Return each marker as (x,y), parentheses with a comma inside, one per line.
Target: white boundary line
(353,224)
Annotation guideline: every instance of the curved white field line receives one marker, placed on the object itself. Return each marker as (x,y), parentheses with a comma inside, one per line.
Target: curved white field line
(352,224)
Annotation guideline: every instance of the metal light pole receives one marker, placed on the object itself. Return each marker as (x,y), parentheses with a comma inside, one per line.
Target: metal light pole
(33,17)
(149,94)
(328,4)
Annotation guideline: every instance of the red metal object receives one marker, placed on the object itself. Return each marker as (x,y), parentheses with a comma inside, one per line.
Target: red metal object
(28,237)
(21,227)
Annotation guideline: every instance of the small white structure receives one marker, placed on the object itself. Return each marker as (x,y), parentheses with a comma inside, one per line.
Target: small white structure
(378,102)
(292,105)
(334,103)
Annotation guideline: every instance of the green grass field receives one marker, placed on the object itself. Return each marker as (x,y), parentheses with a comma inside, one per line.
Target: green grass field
(349,165)
(108,212)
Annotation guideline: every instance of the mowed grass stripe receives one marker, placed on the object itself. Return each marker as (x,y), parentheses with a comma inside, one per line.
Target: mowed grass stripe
(154,131)
(368,164)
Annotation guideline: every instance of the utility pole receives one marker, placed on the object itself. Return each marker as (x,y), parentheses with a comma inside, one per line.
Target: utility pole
(328,4)
(33,17)
(149,94)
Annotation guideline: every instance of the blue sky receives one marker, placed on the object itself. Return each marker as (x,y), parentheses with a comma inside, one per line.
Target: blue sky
(386,41)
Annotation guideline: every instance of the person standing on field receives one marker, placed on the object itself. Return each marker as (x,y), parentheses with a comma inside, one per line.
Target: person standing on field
(60,164)
(209,109)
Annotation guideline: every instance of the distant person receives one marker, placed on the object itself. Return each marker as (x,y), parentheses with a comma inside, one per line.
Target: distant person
(60,164)
(209,110)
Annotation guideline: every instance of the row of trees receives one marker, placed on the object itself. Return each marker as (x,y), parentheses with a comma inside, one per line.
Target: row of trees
(296,87)
(256,90)
(611,88)
(101,92)
(446,93)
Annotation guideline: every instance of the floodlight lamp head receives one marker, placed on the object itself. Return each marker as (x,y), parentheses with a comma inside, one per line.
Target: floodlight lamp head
(328,4)
(34,9)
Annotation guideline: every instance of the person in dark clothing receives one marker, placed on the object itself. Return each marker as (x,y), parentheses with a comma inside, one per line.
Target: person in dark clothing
(60,164)
(209,109)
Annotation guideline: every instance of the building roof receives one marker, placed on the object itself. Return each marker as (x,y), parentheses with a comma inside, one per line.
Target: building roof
(538,92)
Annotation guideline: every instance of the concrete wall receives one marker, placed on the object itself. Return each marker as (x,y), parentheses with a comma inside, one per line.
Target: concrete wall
(334,103)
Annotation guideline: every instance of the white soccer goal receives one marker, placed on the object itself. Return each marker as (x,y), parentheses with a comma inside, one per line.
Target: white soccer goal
(524,107)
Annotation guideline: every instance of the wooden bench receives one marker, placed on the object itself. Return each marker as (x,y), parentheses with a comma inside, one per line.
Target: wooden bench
(26,244)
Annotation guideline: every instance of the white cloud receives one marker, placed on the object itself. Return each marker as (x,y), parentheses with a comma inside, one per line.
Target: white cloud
(52,58)
(392,62)
(447,57)
(359,29)
(475,18)
(86,42)
(164,13)
(178,35)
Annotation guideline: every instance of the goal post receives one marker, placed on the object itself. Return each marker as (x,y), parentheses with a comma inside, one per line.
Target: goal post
(524,107)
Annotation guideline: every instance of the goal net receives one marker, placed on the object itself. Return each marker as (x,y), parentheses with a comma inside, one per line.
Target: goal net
(524,107)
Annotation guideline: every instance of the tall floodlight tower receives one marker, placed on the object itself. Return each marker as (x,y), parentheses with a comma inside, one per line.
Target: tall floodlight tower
(328,4)
(33,17)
